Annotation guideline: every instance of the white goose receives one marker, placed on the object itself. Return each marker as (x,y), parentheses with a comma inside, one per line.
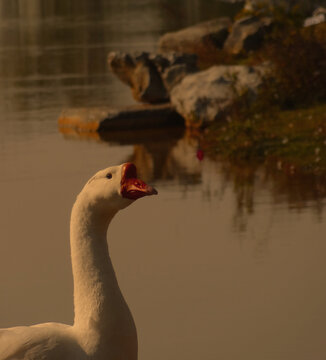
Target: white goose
(103,327)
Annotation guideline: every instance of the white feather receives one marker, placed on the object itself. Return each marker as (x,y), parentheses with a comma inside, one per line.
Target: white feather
(103,327)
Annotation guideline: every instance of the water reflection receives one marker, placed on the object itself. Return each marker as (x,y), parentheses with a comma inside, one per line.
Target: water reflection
(53,53)
(160,154)
(171,155)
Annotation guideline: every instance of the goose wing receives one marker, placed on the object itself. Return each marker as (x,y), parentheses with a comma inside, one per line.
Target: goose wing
(40,342)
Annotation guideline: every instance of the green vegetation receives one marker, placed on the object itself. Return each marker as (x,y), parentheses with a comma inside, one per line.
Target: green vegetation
(297,75)
(287,121)
(294,137)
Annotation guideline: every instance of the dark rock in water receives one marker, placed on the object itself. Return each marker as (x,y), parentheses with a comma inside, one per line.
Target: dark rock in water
(164,61)
(139,72)
(204,97)
(174,74)
(142,117)
(173,67)
(247,34)
(151,76)
(142,136)
(212,34)
(134,117)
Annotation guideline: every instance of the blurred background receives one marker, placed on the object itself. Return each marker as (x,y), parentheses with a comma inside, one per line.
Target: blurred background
(226,263)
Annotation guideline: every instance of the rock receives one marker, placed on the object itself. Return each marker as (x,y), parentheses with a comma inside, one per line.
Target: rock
(192,39)
(174,74)
(318,17)
(205,96)
(149,75)
(173,67)
(247,34)
(107,119)
(140,74)
(164,61)
(157,136)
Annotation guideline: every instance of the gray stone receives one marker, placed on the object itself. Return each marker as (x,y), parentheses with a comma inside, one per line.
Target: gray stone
(173,67)
(174,74)
(150,75)
(163,61)
(210,34)
(207,95)
(140,74)
(247,34)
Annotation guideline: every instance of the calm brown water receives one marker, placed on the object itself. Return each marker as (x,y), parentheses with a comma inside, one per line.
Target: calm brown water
(226,263)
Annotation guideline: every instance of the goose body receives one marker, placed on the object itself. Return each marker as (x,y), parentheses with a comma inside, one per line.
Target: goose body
(103,326)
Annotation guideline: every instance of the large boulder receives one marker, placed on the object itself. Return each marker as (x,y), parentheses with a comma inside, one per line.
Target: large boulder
(173,67)
(205,96)
(151,76)
(140,74)
(247,34)
(193,39)
(105,119)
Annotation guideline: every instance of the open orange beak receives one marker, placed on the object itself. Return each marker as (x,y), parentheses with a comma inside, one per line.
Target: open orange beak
(131,187)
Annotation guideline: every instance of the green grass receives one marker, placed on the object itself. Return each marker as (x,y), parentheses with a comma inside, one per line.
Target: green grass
(295,137)
(286,123)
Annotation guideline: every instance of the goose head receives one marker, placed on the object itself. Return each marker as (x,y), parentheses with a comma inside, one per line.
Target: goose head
(114,188)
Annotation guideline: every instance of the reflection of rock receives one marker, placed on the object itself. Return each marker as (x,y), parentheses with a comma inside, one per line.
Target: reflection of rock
(170,155)
(183,158)
(192,39)
(203,97)
(159,154)
(144,161)
(169,160)
(151,76)
(247,34)
(129,118)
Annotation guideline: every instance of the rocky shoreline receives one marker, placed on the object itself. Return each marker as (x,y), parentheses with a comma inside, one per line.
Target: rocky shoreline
(175,86)
(134,117)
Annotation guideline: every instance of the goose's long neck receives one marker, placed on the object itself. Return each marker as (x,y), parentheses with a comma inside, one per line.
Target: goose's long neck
(96,291)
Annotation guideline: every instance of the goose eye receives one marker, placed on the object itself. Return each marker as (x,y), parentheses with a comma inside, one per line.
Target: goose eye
(109,176)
